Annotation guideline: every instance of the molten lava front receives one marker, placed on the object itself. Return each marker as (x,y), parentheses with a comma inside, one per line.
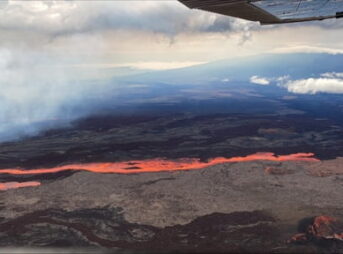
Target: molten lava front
(158,165)
(147,166)
(16,185)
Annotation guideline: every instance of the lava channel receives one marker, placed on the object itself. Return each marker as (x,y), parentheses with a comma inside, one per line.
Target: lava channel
(158,165)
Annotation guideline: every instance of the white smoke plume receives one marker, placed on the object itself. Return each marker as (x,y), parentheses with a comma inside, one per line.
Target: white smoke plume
(34,92)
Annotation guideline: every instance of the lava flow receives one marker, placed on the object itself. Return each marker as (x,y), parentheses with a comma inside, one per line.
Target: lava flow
(16,185)
(158,165)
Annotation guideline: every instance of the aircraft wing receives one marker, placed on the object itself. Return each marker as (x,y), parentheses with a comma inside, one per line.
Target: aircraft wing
(272,11)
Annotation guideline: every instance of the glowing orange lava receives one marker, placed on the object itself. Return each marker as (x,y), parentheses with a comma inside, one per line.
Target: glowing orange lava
(16,185)
(158,165)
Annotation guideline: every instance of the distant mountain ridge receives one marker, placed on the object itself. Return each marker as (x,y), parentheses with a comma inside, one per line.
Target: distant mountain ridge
(295,65)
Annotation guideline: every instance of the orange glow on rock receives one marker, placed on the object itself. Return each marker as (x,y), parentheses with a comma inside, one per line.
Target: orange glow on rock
(158,165)
(16,185)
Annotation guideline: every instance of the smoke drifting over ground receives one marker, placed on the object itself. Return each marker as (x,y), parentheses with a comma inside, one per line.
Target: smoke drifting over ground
(35,95)
(41,42)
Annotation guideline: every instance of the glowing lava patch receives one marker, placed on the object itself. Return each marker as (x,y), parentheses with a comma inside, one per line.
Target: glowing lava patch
(16,185)
(158,165)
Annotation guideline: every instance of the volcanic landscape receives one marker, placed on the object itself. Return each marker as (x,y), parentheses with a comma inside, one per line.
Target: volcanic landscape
(125,184)
(219,168)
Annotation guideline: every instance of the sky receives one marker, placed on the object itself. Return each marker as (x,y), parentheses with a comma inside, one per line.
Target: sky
(99,39)
(53,52)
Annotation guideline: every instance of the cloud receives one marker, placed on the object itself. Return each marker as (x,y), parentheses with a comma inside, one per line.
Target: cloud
(307,49)
(56,18)
(259,80)
(315,85)
(163,65)
(329,82)
(332,75)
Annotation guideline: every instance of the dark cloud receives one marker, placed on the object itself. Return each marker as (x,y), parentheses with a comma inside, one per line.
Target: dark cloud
(58,18)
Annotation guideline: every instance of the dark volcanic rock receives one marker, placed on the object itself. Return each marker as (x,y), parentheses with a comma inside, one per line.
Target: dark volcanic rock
(327,228)
(112,139)
(37,177)
(229,233)
(323,231)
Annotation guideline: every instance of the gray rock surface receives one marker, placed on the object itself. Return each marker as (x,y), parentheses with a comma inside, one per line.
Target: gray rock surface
(170,198)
